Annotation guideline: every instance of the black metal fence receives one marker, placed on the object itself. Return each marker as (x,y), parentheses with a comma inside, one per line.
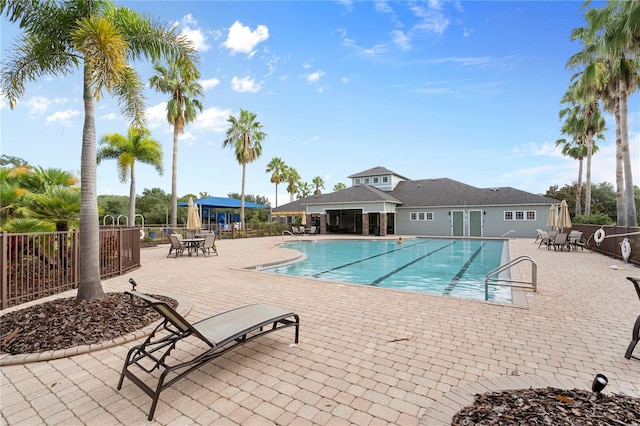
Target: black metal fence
(36,265)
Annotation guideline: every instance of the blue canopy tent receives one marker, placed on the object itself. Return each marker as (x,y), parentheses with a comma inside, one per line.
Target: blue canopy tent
(208,206)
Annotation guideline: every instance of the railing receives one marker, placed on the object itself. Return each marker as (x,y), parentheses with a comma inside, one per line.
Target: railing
(35,265)
(509,232)
(530,285)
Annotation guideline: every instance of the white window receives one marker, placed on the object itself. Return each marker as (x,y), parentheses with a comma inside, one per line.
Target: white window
(421,216)
(358,181)
(385,179)
(520,215)
(366,181)
(375,180)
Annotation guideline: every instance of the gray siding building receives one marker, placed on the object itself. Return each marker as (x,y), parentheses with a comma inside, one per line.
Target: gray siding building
(382,202)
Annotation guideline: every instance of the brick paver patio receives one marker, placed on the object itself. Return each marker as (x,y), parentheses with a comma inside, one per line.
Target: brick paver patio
(366,355)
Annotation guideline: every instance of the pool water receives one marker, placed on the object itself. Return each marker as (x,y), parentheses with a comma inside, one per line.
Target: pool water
(455,267)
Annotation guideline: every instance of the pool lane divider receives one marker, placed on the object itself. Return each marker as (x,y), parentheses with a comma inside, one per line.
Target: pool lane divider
(418,259)
(456,278)
(317,274)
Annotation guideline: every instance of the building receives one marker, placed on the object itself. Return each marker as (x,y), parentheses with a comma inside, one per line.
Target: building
(382,202)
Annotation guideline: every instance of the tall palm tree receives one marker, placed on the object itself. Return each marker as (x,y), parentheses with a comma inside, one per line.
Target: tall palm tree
(138,146)
(277,168)
(611,43)
(293,181)
(180,81)
(318,183)
(245,137)
(101,39)
(575,148)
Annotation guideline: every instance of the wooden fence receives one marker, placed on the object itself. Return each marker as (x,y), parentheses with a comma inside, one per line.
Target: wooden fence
(36,265)
(611,246)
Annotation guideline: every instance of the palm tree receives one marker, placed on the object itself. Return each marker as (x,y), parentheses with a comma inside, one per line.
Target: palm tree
(180,82)
(139,146)
(277,168)
(577,147)
(611,42)
(304,189)
(318,183)
(339,186)
(293,181)
(57,205)
(102,39)
(245,136)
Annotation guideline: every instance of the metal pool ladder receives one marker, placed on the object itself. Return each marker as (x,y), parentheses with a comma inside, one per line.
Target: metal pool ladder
(533,285)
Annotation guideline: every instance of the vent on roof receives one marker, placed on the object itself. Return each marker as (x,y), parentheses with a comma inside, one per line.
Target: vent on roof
(494,189)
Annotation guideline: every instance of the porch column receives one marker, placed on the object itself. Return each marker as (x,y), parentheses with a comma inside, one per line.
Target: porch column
(365,223)
(323,223)
(383,224)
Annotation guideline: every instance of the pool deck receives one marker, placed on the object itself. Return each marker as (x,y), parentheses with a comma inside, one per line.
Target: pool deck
(366,355)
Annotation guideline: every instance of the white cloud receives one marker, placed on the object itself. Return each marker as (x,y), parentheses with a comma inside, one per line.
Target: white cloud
(431,19)
(157,115)
(400,39)
(242,40)
(187,138)
(63,117)
(109,116)
(306,65)
(212,120)
(194,34)
(314,77)
(245,84)
(37,105)
(345,80)
(209,83)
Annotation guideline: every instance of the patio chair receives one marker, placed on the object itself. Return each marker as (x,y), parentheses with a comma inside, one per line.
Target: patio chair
(545,239)
(538,235)
(176,245)
(635,336)
(220,333)
(560,241)
(209,245)
(575,239)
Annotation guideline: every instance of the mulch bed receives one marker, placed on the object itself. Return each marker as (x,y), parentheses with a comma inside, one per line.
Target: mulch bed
(64,323)
(550,406)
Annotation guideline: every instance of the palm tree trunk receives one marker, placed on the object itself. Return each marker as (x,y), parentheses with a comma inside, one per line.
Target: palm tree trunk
(90,286)
(587,195)
(621,217)
(244,170)
(276,194)
(579,188)
(629,196)
(174,181)
(132,197)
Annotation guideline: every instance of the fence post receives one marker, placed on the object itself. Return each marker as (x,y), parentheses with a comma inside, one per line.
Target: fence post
(4,265)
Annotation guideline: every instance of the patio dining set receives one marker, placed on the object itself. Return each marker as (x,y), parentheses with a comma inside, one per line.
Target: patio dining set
(192,243)
(560,240)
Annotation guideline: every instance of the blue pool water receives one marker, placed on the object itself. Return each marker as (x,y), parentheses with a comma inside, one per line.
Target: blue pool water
(455,267)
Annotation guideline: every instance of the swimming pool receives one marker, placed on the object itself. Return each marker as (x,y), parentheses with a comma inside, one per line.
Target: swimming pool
(455,267)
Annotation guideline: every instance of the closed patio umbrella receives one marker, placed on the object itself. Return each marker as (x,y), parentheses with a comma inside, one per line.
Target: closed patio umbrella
(552,221)
(564,219)
(193,218)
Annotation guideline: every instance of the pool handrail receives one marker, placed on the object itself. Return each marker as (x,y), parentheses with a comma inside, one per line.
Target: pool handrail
(533,285)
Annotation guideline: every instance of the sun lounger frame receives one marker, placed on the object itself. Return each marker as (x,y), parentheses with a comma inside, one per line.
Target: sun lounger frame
(635,334)
(156,349)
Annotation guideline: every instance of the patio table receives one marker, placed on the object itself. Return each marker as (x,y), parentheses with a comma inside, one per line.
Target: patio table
(193,244)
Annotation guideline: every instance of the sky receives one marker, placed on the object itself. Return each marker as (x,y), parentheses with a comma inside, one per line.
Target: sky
(467,90)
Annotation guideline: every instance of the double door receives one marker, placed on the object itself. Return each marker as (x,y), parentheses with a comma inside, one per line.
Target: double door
(466,223)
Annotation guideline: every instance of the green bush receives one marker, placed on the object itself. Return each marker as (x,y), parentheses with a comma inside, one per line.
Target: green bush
(593,219)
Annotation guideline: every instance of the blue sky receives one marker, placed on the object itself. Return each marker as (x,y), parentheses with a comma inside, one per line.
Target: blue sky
(468,90)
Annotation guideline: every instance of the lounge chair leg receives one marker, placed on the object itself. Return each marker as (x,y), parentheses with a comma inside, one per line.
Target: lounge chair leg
(634,339)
